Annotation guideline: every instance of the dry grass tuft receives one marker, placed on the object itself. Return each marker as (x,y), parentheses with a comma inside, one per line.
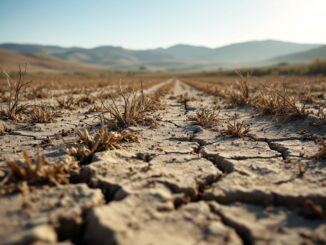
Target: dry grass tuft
(69,103)
(100,141)
(133,110)
(86,100)
(239,96)
(35,172)
(14,108)
(236,129)
(279,103)
(41,114)
(206,118)
(38,93)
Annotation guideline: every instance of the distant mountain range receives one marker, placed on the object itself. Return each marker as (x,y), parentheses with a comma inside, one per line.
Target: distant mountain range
(178,57)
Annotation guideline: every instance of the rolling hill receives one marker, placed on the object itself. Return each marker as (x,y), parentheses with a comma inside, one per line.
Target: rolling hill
(177,57)
(33,48)
(116,57)
(303,57)
(238,53)
(9,61)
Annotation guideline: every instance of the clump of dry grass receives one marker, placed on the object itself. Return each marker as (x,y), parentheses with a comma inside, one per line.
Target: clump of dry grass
(15,109)
(239,96)
(36,172)
(69,103)
(132,111)
(86,100)
(236,129)
(307,97)
(41,114)
(279,103)
(153,102)
(100,141)
(206,118)
(38,93)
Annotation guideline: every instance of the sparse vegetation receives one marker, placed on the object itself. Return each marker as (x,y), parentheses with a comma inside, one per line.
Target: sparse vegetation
(36,171)
(279,103)
(14,108)
(239,96)
(41,114)
(236,129)
(132,113)
(88,144)
(158,115)
(134,107)
(69,103)
(207,118)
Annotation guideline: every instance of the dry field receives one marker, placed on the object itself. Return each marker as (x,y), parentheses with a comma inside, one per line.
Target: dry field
(189,160)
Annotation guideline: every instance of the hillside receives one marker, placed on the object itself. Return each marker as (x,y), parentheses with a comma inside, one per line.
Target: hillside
(9,61)
(303,57)
(117,57)
(254,51)
(237,53)
(177,57)
(32,48)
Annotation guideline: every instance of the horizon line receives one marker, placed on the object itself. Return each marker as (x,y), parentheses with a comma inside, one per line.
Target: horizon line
(163,47)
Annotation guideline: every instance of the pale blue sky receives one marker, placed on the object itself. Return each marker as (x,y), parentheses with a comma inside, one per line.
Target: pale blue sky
(140,24)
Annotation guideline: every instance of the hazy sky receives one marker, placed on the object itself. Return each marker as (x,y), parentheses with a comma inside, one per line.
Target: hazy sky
(159,23)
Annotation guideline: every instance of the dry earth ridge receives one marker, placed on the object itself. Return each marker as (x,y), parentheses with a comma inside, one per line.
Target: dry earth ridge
(182,184)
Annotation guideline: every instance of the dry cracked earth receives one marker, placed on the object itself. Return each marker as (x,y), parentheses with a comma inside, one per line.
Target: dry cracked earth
(182,184)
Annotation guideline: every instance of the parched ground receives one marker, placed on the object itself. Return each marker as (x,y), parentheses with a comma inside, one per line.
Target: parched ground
(182,184)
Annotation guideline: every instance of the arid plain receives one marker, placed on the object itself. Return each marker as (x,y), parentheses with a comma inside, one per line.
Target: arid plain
(175,159)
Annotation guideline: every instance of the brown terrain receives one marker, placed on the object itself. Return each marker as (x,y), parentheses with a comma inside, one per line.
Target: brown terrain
(43,63)
(191,159)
